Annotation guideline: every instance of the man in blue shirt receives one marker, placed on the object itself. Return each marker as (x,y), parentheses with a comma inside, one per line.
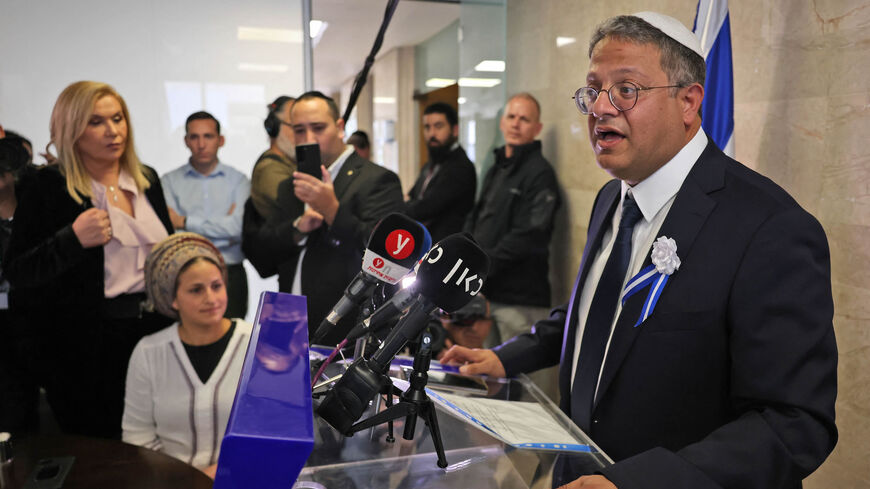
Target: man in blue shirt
(208,197)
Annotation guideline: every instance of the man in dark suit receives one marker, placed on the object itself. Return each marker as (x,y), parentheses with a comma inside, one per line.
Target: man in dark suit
(341,209)
(729,379)
(443,194)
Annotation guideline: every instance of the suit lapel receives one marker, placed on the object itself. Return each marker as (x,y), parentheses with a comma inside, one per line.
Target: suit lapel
(602,215)
(690,210)
(341,185)
(349,171)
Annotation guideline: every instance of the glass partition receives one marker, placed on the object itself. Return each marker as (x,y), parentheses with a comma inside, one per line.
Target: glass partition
(470,53)
(482,54)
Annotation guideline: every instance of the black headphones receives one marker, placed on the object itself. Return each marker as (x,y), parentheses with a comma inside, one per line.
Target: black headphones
(273,122)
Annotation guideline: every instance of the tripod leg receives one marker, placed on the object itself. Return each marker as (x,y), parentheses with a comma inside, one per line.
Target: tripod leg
(395,412)
(389,404)
(431,419)
(377,404)
(410,426)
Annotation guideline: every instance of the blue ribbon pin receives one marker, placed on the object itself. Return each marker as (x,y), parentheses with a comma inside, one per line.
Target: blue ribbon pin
(647,276)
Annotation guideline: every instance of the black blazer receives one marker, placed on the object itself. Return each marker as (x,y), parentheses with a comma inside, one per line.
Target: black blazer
(448,198)
(366,193)
(731,382)
(45,262)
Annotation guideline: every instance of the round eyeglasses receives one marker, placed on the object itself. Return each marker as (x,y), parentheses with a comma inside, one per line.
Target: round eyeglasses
(623,96)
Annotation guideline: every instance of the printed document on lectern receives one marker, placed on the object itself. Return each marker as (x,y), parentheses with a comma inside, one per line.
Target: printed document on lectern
(519,424)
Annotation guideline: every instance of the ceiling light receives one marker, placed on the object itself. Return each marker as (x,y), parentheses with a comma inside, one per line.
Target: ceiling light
(267,34)
(440,82)
(493,65)
(316,28)
(564,41)
(266,68)
(479,82)
(462,100)
(385,100)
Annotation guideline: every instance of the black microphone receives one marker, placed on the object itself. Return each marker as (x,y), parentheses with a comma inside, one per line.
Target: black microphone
(448,277)
(395,245)
(383,315)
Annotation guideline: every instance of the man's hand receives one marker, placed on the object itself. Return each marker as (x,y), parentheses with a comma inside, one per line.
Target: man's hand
(93,228)
(474,362)
(319,194)
(590,482)
(308,221)
(178,222)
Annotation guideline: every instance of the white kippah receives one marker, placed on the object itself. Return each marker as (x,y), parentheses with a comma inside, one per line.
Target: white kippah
(673,28)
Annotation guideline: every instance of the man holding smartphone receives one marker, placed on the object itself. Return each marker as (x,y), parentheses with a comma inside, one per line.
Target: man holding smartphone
(343,202)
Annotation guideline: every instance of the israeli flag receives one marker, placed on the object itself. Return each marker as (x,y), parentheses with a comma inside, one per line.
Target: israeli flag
(713,28)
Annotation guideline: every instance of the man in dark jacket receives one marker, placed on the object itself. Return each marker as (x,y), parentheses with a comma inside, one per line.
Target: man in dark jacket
(513,221)
(325,244)
(443,195)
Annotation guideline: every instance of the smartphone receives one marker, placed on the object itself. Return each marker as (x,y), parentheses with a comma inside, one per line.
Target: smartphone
(308,159)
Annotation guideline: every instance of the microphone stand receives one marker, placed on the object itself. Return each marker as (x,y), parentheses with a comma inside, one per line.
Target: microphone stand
(412,404)
(365,346)
(388,390)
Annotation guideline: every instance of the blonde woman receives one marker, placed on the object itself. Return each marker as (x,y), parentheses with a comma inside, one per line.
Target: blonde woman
(182,380)
(76,257)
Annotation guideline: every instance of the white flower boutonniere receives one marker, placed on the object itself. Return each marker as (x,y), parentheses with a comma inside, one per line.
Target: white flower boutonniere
(664,255)
(664,263)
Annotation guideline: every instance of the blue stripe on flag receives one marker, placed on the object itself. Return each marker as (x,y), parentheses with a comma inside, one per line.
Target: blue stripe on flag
(718,109)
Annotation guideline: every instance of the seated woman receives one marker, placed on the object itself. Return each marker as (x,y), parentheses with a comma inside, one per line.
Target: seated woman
(75,260)
(182,380)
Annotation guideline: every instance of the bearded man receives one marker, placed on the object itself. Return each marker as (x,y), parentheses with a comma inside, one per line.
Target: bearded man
(443,195)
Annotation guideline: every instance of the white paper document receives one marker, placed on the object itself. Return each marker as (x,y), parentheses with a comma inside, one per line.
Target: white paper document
(519,424)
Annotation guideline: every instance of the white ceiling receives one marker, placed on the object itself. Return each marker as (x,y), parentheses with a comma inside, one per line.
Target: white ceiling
(353,25)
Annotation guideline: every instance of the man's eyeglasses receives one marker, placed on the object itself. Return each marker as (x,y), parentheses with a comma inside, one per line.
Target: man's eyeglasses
(623,96)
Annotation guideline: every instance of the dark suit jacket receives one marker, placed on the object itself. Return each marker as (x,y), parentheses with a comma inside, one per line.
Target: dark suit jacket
(731,381)
(448,198)
(366,193)
(45,262)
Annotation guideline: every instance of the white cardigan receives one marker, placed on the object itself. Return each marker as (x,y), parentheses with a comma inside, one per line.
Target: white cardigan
(167,408)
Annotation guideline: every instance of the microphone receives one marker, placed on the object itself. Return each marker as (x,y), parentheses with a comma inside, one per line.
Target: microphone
(448,277)
(395,245)
(396,306)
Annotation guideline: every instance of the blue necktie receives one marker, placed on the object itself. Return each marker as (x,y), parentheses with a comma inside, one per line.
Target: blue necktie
(600,317)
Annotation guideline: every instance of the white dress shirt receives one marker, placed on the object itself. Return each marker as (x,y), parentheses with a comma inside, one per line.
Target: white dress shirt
(654,196)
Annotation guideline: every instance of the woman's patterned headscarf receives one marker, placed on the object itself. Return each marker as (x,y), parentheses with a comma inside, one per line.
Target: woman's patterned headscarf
(166,260)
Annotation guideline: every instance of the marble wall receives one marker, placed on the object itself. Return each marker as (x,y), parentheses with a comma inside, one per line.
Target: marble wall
(802,102)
